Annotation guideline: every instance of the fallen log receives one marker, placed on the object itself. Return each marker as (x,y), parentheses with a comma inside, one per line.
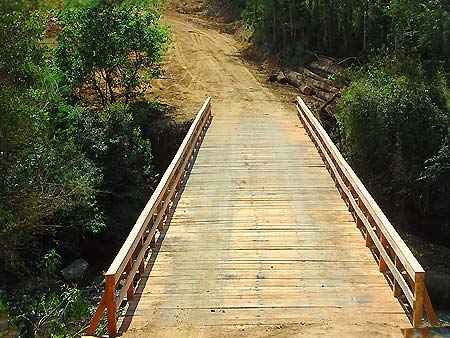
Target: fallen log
(294,79)
(320,85)
(326,67)
(307,90)
(325,96)
(317,77)
(328,103)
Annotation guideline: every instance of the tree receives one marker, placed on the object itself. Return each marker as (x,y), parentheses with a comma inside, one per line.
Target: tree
(47,184)
(21,53)
(109,50)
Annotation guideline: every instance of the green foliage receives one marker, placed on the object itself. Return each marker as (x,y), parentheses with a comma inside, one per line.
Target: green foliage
(333,27)
(390,124)
(66,170)
(48,185)
(434,187)
(21,53)
(350,27)
(61,313)
(51,262)
(110,50)
(46,178)
(62,166)
(421,27)
(113,139)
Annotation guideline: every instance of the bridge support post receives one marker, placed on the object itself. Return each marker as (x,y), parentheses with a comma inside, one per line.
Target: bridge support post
(419,289)
(382,264)
(111,307)
(396,287)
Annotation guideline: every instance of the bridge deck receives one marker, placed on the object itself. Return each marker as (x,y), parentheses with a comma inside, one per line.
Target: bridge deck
(262,236)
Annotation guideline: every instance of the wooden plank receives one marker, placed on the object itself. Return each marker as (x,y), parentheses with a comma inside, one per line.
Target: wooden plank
(372,239)
(121,259)
(128,259)
(374,221)
(401,249)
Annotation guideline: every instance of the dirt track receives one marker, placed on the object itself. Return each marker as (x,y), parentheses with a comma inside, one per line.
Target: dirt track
(205,62)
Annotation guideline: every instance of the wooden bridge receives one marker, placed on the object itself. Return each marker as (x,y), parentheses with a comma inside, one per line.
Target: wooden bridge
(260,222)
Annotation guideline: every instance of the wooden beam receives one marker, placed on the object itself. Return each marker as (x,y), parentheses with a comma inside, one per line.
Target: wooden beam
(131,256)
(380,232)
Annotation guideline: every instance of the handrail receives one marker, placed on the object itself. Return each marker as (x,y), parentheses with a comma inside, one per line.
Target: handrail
(129,264)
(402,270)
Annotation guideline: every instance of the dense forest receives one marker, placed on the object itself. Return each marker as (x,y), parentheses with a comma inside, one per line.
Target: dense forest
(76,160)
(392,118)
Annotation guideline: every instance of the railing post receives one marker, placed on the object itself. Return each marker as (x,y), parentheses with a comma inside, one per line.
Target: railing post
(419,289)
(111,307)
(142,264)
(382,264)
(130,291)
(396,287)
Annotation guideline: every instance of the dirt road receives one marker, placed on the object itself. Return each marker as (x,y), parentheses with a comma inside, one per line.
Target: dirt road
(260,245)
(205,62)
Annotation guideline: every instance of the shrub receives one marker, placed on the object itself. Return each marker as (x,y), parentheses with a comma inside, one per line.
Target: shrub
(114,140)
(59,313)
(21,52)
(390,124)
(110,50)
(48,185)
(434,187)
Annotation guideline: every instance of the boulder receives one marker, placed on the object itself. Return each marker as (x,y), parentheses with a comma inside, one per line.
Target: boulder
(281,78)
(278,77)
(76,270)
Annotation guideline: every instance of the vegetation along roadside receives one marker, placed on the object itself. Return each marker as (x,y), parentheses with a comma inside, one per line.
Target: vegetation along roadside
(76,156)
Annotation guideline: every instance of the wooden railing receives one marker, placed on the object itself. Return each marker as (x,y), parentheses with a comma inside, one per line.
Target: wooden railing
(128,266)
(402,270)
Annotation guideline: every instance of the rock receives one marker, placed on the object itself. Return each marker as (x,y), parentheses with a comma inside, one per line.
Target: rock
(278,77)
(76,270)
(307,90)
(281,78)
(293,78)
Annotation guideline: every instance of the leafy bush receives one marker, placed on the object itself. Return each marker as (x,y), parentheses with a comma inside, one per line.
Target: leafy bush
(48,185)
(21,52)
(390,124)
(434,187)
(61,313)
(113,139)
(110,50)
(67,171)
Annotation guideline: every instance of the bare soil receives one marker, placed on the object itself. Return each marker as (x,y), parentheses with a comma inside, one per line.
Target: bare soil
(181,87)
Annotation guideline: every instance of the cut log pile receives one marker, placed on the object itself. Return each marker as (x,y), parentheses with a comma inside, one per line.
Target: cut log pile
(314,80)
